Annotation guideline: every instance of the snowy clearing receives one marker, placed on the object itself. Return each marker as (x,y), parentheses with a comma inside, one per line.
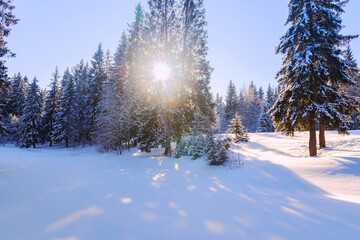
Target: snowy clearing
(279,193)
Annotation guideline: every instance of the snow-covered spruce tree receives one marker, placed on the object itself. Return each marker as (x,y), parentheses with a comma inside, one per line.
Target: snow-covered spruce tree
(217,149)
(4,110)
(221,123)
(149,132)
(64,126)
(114,121)
(18,94)
(353,91)
(109,134)
(31,118)
(162,47)
(135,57)
(237,130)
(265,122)
(260,95)
(313,68)
(82,109)
(108,62)
(252,105)
(196,72)
(7,19)
(231,103)
(241,103)
(97,78)
(196,138)
(51,107)
(196,69)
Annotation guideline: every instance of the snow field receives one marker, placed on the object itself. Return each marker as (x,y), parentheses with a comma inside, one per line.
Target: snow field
(279,193)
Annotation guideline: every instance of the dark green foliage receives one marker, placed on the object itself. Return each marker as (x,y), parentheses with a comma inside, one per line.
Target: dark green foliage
(217,150)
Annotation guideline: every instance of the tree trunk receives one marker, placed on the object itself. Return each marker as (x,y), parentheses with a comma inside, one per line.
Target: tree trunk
(168,150)
(312,141)
(322,141)
(50,143)
(119,147)
(66,143)
(34,145)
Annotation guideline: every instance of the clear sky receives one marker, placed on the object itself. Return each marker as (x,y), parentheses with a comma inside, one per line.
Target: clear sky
(243,35)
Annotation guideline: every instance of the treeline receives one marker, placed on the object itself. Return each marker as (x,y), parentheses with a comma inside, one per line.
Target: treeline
(155,90)
(118,101)
(251,104)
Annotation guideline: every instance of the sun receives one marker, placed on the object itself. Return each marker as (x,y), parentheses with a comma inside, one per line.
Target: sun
(161,72)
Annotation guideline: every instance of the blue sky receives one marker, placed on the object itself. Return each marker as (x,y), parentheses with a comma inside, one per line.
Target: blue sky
(242,36)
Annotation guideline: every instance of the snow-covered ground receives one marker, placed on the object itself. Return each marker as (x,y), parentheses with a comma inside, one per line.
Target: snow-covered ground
(279,193)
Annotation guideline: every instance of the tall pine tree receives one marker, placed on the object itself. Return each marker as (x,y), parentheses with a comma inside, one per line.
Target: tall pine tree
(64,126)
(313,68)
(231,103)
(31,118)
(51,107)
(18,95)
(81,107)
(97,79)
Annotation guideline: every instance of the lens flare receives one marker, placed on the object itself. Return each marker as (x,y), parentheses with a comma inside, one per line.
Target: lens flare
(161,72)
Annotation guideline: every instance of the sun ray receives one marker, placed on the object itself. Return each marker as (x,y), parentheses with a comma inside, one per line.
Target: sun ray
(161,72)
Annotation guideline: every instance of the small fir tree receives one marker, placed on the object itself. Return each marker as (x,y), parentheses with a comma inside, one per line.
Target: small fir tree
(237,130)
(265,122)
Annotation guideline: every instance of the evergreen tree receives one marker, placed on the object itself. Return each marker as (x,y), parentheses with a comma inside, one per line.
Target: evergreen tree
(4,99)
(51,107)
(265,122)
(162,43)
(252,105)
(237,130)
(108,62)
(231,103)
(31,118)
(196,68)
(220,115)
(313,68)
(81,108)
(353,91)
(114,122)
(64,126)
(7,19)
(97,79)
(241,103)
(18,95)
(132,61)
(260,95)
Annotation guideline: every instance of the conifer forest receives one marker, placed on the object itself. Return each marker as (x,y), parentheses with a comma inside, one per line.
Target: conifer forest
(137,143)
